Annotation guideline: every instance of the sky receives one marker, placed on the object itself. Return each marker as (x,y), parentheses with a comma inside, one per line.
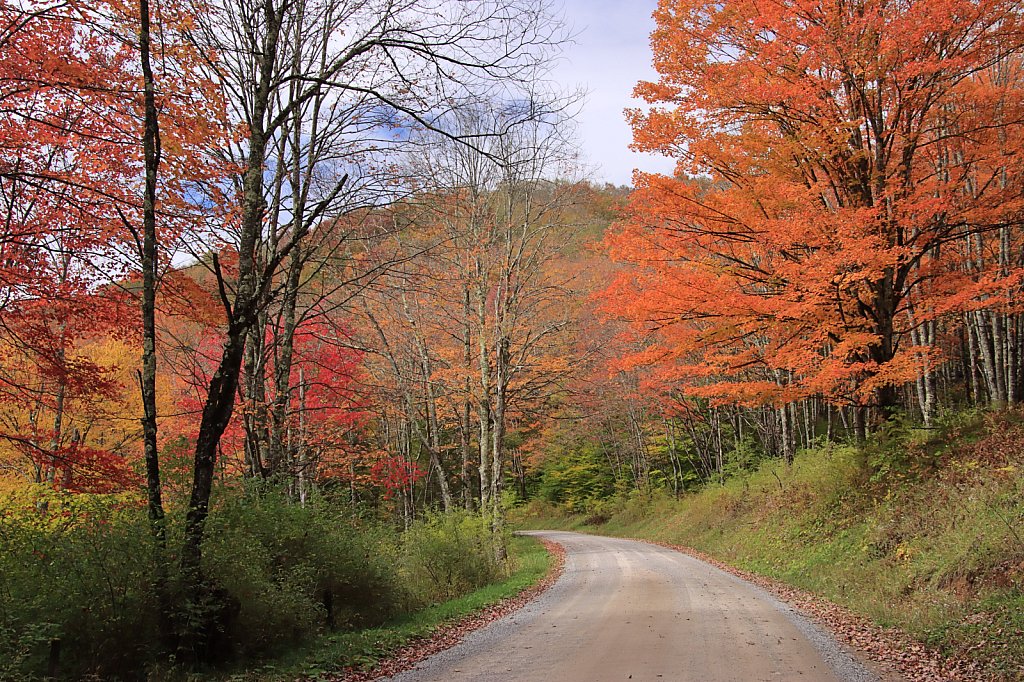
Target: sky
(611,53)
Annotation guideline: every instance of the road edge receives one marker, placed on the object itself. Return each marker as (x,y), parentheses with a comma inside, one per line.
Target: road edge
(450,634)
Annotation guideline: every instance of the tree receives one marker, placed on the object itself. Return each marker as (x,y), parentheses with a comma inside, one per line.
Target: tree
(504,307)
(410,61)
(67,424)
(836,163)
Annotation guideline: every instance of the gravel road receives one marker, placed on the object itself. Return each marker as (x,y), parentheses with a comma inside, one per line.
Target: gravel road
(626,610)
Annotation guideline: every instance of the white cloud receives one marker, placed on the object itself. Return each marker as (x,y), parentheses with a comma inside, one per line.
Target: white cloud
(612,53)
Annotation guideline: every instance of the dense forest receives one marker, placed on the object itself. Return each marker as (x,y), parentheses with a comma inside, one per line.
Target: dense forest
(340,259)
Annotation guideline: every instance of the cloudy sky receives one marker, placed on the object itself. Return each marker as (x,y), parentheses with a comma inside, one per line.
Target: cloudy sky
(611,53)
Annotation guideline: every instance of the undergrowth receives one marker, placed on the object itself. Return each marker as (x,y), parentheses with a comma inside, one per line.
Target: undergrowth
(78,577)
(338,652)
(917,530)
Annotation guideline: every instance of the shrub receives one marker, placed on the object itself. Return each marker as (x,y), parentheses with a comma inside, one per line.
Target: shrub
(77,572)
(449,555)
(291,572)
(83,572)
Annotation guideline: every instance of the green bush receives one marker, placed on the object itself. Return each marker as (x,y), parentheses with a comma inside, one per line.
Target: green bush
(83,570)
(449,555)
(78,572)
(293,571)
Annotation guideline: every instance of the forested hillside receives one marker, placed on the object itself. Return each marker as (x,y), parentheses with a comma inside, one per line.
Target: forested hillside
(293,286)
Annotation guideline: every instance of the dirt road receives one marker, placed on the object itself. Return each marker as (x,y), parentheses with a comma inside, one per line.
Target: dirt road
(626,610)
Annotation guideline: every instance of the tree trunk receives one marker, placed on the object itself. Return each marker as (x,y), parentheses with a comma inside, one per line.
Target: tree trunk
(498,447)
(972,358)
(147,377)
(433,429)
(860,424)
(830,420)
(989,368)
(483,401)
(284,358)
(242,313)
(304,473)
(466,423)
(257,435)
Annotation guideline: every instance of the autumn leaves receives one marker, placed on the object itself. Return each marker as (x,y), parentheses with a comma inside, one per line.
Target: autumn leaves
(848,202)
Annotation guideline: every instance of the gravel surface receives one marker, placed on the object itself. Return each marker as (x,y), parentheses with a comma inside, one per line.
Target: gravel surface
(891,653)
(450,634)
(886,654)
(634,611)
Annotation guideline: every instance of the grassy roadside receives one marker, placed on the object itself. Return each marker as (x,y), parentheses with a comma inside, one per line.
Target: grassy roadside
(920,534)
(339,654)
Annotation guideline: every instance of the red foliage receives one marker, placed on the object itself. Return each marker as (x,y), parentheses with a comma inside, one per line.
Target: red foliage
(394,474)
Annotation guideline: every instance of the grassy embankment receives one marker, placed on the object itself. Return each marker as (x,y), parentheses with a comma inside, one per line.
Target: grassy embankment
(924,534)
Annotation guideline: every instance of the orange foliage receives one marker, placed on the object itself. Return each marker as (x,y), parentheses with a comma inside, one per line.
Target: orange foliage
(840,166)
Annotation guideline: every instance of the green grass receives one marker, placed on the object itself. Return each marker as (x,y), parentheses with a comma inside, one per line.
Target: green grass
(337,652)
(932,546)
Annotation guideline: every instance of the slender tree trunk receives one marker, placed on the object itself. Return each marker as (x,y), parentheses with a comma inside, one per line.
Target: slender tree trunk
(998,353)
(285,357)
(147,377)
(1012,355)
(466,450)
(241,313)
(670,440)
(305,473)
(498,446)
(433,429)
(931,389)
(150,260)
(55,436)
(257,435)
(924,379)
(860,424)
(786,433)
(972,358)
(483,401)
(466,418)
(989,369)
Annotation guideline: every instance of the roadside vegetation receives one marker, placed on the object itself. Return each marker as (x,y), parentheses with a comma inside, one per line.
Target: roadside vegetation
(297,591)
(921,530)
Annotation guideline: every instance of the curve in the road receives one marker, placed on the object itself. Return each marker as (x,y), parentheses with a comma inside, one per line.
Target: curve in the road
(627,610)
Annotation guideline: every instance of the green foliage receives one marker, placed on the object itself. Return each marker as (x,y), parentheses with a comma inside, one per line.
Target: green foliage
(894,452)
(77,571)
(289,572)
(337,652)
(746,455)
(84,571)
(576,475)
(448,555)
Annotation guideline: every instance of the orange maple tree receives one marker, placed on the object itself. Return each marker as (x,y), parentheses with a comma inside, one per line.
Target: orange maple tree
(70,165)
(836,161)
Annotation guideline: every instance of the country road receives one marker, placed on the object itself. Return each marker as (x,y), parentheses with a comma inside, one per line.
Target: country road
(626,610)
